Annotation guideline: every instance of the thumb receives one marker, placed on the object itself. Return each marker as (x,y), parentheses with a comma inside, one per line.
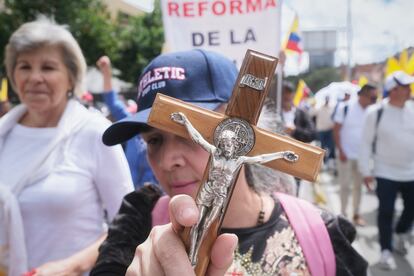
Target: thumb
(222,254)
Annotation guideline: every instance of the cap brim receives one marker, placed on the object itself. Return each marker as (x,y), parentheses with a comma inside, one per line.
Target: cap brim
(128,127)
(407,80)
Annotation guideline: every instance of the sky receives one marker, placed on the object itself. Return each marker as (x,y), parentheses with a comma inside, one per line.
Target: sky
(145,5)
(380,28)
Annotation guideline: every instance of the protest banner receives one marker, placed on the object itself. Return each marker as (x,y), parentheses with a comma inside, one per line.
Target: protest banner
(229,27)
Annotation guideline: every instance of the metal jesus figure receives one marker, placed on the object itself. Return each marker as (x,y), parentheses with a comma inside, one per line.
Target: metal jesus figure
(233,139)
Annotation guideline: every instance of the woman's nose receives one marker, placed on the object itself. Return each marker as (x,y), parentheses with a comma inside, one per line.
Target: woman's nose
(172,155)
(35,75)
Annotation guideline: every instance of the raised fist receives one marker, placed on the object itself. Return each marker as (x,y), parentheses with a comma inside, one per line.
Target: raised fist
(104,63)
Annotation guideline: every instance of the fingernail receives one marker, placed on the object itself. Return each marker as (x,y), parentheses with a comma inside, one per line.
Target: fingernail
(188,213)
(235,243)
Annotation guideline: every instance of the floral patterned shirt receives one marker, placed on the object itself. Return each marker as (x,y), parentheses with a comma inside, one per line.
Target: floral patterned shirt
(268,249)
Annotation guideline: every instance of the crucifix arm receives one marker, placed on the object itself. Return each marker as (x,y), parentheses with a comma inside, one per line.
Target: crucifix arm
(267,157)
(181,119)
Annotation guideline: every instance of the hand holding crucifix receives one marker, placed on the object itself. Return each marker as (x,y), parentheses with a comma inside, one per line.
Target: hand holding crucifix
(185,82)
(224,166)
(250,144)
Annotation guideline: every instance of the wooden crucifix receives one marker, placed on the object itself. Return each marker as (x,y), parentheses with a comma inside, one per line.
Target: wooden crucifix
(238,123)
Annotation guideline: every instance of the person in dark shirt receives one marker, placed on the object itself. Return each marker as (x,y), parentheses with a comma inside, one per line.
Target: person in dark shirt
(297,122)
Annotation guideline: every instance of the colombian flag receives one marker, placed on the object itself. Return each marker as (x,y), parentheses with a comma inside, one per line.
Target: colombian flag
(293,41)
(302,92)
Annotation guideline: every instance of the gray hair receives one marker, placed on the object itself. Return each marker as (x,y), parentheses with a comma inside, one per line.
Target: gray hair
(263,179)
(45,32)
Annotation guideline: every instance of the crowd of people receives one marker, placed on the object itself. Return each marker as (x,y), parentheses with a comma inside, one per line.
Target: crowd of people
(80,196)
(372,149)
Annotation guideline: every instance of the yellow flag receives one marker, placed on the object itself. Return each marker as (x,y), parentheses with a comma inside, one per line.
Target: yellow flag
(299,92)
(404,59)
(3,90)
(410,65)
(362,81)
(392,66)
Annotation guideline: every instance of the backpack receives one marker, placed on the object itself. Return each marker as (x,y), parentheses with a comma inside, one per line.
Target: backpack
(309,228)
(379,114)
(311,232)
(336,109)
(374,142)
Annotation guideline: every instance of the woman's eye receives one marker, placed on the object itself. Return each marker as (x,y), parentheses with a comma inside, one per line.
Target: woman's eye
(153,140)
(23,67)
(48,68)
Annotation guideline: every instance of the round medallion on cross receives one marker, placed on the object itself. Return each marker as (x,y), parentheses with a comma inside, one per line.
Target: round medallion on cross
(243,133)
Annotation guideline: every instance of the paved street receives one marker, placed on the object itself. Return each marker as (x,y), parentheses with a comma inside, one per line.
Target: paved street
(367,241)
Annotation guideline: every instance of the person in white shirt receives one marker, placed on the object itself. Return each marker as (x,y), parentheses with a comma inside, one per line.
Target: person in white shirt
(347,134)
(59,184)
(388,144)
(324,126)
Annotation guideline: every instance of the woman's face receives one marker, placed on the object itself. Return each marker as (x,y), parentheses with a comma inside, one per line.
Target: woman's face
(177,163)
(42,79)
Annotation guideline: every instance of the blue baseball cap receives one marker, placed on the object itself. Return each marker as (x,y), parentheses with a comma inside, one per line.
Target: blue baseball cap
(200,77)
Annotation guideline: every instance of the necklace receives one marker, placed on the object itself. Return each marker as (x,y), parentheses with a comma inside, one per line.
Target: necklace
(260,218)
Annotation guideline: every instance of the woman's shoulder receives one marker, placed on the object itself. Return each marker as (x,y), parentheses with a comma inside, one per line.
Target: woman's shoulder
(338,225)
(146,195)
(342,233)
(97,121)
(138,204)
(95,125)
(130,227)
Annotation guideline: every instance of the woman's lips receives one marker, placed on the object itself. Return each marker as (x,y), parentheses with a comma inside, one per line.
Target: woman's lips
(36,93)
(183,187)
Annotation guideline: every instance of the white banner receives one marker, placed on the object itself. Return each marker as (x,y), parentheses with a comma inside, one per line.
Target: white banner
(229,27)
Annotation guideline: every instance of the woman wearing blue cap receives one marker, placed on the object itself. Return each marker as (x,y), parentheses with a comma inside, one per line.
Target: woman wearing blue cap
(256,236)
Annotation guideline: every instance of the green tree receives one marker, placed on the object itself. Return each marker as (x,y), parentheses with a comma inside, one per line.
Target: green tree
(130,45)
(141,39)
(88,21)
(318,78)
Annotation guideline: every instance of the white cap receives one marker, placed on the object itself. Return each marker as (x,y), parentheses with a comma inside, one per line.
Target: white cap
(397,78)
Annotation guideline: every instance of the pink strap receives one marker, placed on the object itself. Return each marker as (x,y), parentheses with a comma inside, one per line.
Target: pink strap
(311,233)
(160,214)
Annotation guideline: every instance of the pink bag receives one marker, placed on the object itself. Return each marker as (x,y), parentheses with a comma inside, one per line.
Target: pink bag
(160,214)
(311,233)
